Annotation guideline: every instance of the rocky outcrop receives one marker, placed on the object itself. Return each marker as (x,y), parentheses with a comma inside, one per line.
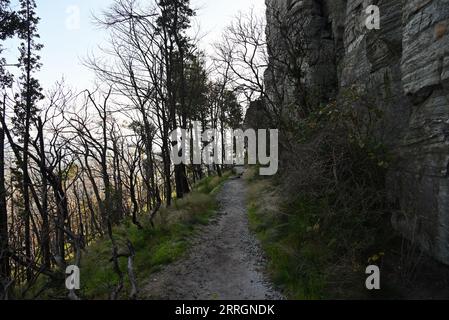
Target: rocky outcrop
(404,66)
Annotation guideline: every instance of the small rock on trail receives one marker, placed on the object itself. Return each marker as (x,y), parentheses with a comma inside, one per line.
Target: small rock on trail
(225,261)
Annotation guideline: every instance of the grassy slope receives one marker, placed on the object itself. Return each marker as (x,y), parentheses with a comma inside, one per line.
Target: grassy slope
(276,233)
(301,258)
(154,247)
(307,263)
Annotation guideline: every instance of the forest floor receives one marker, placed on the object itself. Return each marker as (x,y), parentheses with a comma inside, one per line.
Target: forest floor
(224,262)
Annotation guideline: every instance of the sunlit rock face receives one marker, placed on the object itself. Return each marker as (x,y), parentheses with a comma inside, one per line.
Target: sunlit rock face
(404,67)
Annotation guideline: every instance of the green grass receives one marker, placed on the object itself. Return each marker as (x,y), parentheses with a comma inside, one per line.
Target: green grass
(311,259)
(155,247)
(313,254)
(294,264)
(306,258)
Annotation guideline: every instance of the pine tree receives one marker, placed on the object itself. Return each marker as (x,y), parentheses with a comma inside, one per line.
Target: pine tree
(26,102)
(9,23)
(173,22)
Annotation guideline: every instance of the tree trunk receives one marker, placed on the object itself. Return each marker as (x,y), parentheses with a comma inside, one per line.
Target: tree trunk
(45,237)
(26,141)
(4,259)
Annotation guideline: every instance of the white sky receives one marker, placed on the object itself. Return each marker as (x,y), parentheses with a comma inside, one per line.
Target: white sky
(65,46)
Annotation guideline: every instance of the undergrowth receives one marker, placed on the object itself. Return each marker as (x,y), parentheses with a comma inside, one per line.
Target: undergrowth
(308,259)
(331,216)
(154,247)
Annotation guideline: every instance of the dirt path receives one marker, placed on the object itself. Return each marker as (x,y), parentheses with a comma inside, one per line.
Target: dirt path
(225,261)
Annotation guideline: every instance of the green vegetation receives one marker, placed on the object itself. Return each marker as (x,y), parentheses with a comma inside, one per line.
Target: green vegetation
(154,246)
(308,257)
(326,214)
(294,264)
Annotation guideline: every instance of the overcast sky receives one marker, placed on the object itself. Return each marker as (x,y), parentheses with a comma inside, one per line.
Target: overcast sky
(66,41)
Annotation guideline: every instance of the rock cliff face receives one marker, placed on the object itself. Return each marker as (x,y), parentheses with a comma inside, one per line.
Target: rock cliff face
(404,66)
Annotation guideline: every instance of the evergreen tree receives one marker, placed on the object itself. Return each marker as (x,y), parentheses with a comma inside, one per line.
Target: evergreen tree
(9,23)
(26,102)
(173,22)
